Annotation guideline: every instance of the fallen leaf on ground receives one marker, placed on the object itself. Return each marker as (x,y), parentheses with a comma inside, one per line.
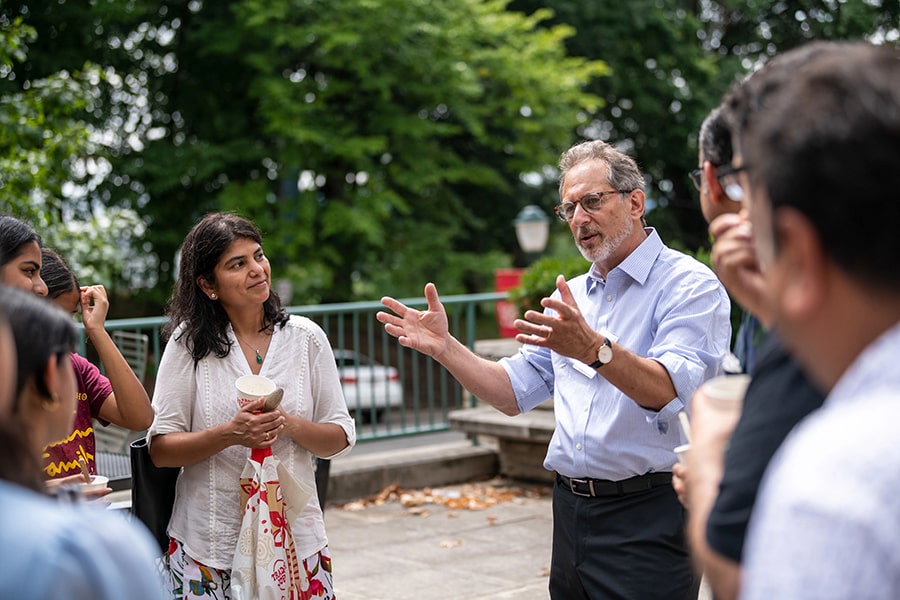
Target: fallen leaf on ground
(469,496)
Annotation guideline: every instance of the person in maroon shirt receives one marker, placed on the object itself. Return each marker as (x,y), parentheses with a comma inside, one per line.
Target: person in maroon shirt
(120,399)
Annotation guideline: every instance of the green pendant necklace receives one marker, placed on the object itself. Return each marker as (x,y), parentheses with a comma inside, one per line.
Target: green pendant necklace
(259,358)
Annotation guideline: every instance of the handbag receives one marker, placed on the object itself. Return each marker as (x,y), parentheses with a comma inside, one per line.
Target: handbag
(152,492)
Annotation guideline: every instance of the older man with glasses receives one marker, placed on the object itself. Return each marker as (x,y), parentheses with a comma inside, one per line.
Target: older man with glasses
(620,349)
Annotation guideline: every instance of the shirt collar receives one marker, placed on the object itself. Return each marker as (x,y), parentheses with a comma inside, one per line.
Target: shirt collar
(636,265)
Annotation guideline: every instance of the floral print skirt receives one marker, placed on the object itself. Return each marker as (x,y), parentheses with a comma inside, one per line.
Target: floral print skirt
(191,579)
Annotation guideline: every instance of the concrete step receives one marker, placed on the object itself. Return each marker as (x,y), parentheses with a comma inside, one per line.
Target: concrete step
(359,475)
(534,426)
(521,440)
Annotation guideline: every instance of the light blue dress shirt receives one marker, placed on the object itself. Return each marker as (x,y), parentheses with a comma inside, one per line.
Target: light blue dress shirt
(53,550)
(660,304)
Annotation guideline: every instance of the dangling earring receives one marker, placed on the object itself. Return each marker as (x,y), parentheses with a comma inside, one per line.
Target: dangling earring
(51,404)
(213,296)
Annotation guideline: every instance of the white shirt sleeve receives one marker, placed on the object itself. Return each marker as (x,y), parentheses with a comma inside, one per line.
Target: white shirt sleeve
(173,413)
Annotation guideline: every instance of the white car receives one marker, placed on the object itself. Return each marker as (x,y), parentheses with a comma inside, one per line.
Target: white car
(369,388)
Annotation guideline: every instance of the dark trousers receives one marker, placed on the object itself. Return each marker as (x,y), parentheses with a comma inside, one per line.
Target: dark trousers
(629,547)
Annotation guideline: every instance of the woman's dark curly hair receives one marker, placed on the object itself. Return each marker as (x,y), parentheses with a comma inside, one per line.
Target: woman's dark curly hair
(205,321)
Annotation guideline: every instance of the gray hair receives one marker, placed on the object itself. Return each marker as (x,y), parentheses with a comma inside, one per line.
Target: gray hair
(622,171)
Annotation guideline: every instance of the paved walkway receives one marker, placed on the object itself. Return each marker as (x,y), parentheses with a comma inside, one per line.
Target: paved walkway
(487,541)
(444,551)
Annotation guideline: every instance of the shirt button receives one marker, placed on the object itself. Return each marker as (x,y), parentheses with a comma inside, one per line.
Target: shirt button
(609,298)
(578,446)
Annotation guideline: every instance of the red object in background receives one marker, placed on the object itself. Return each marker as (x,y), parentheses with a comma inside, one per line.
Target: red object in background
(506,279)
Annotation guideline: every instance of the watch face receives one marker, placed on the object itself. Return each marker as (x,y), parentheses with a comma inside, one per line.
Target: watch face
(604,354)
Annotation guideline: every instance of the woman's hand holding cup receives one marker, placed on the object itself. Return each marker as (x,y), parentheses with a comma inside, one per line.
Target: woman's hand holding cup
(257,429)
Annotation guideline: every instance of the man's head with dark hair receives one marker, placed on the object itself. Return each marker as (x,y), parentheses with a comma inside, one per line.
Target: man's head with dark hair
(747,100)
(827,144)
(820,157)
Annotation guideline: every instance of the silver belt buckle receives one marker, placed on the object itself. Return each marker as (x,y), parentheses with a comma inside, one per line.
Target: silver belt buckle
(590,484)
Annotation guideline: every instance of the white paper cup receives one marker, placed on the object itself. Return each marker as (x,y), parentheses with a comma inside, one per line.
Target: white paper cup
(682,452)
(98,482)
(253,387)
(726,391)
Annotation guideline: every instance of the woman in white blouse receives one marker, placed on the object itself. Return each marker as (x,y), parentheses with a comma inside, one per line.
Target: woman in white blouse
(226,321)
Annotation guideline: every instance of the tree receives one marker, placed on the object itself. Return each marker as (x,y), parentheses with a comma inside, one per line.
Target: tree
(378,144)
(49,162)
(670,62)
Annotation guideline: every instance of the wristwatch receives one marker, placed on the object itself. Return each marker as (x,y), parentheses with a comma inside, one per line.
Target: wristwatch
(604,354)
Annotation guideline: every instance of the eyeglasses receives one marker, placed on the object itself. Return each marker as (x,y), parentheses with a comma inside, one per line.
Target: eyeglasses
(695,176)
(730,182)
(591,203)
(727,176)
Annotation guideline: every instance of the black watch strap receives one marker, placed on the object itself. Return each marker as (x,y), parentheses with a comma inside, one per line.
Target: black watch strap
(599,363)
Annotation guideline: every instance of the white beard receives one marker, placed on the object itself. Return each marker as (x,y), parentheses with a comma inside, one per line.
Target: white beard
(608,245)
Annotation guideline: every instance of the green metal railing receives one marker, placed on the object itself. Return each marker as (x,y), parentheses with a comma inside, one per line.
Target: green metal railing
(428,391)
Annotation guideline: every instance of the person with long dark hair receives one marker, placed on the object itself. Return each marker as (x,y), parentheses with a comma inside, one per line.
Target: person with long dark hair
(226,321)
(56,550)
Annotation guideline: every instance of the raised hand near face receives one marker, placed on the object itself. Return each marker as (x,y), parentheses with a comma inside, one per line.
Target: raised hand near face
(94,307)
(735,262)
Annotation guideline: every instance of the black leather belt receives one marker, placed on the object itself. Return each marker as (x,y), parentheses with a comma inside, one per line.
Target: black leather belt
(591,488)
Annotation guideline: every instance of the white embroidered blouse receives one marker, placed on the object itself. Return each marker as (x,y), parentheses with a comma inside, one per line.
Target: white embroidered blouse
(207,512)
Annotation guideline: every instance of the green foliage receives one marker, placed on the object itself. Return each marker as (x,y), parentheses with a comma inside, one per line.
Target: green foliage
(49,166)
(539,280)
(105,248)
(670,63)
(356,134)
(662,84)
(42,131)
(377,143)
(407,119)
